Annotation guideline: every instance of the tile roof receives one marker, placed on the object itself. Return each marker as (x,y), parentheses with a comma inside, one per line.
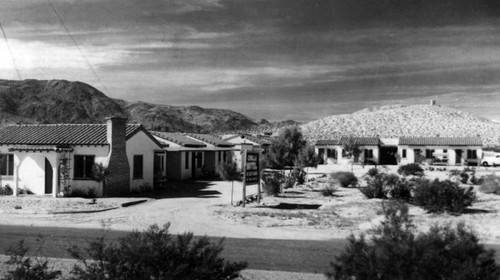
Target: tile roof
(60,134)
(364,141)
(260,141)
(441,141)
(179,139)
(211,139)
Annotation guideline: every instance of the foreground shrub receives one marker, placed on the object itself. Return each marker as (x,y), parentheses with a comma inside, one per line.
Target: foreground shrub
(272,182)
(345,179)
(375,188)
(6,190)
(490,184)
(402,190)
(440,196)
(27,267)
(154,254)
(410,169)
(396,252)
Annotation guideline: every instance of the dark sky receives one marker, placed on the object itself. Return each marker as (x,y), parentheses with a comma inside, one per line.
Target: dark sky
(274,59)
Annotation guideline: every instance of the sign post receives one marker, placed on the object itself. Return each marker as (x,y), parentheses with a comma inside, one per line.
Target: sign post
(251,172)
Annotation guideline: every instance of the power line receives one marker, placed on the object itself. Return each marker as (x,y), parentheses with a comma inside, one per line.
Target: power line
(10,52)
(77,46)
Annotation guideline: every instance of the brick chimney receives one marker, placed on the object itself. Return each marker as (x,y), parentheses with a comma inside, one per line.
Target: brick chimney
(118,179)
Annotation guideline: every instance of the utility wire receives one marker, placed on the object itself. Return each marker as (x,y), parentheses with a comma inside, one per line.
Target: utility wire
(10,52)
(77,46)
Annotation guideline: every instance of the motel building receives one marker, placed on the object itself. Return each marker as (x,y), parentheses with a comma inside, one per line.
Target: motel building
(458,151)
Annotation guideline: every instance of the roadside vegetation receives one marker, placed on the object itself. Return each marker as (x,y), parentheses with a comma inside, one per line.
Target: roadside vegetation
(396,251)
(150,254)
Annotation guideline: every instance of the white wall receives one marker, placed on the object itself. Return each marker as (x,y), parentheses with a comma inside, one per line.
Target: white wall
(100,153)
(141,144)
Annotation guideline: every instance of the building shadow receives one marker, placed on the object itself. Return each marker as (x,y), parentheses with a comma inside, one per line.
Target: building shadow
(179,189)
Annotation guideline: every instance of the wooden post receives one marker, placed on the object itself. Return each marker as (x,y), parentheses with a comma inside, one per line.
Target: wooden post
(258,179)
(244,177)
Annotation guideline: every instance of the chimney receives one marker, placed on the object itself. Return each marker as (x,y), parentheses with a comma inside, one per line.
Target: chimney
(118,179)
(433,102)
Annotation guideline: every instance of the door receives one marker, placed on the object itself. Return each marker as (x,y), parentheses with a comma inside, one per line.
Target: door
(48,176)
(458,156)
(193,165)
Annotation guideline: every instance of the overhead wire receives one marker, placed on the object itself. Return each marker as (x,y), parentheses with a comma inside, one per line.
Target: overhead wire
(78,47)
(10,52)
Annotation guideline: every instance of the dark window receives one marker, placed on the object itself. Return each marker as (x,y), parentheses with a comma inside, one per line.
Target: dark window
(330,153)
(368,153)
(224,156)
(84,166)
(6,165)
(404,153)
(472,154)
(429,153)
(199,160)
(138,166)
(220,156)
(321,152)
(344,154)
(445,151)
(186,160)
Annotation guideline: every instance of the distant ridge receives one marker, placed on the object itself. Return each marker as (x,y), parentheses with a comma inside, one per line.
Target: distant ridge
(404,120)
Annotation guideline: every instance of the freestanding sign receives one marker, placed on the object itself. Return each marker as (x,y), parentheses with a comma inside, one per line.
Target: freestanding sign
(251,172)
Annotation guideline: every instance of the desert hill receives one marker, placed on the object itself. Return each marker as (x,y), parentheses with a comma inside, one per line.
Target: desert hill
(404,120)
(60,101)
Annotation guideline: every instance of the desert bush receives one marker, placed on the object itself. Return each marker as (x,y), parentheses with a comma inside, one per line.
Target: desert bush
(345,179)
(395,251)
(299,175)
(289,181)
(410,169)
(490,184)
(154,254)
(372,172)
(464,178)
(24,191)
(443,196)
(375,188)
(401,190)
(6,190)
(24,267)
(89,193)
(329,191)
(272,182)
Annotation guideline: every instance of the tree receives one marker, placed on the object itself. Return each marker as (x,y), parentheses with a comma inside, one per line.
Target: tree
(351,149)
(285,148)
(229,172)
(100,174)
(307,158)
(154,254)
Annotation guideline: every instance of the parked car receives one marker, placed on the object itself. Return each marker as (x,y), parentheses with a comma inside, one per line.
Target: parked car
(491,159)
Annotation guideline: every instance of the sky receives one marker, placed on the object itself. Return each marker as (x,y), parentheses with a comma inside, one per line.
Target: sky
(272,59)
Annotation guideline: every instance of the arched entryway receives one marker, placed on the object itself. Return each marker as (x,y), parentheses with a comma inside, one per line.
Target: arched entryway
(48,176)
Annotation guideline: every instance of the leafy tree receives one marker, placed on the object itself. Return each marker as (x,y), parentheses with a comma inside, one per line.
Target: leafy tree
(153,254)
(100,174)
(396,252)
(307,157)
(229,172)
(351,149)
(285,148)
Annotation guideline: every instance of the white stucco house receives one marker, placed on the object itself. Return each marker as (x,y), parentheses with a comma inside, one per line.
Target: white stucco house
(246,142)
(215,152)
(332,151)
(46,158)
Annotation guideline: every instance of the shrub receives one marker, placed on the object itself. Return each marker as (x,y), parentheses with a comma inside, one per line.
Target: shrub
(375,188)
(440,196)
(396,252)
(372,172)
(299,175)
(6,190)
(401,190)
(289,181)
(272,182)
(154,254)
(410,169)
(89,193)
(25,191)
(29,268)
(345,179)
(490,184)
(464,178)
(329,191)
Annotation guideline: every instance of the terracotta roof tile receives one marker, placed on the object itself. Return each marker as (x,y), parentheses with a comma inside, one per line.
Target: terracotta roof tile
(441,141)
(179,139)
(211,139)
(363,141)
(60,134)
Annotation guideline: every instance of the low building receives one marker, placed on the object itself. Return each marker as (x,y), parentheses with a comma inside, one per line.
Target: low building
(215,152)
(246,142)
(440,150)
(46,159)
(333,152)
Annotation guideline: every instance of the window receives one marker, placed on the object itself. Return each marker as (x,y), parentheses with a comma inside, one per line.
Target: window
(138,164)
(368,153)
(330,153)
(224,156)
(472,154)
(199,160)
(84,166)
(403,153)
(186,160)
(344,154)
(220,156)
(6,165)
(429,153)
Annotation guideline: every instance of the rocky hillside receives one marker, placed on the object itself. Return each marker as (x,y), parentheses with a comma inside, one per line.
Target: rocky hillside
(59,101)
(396,121)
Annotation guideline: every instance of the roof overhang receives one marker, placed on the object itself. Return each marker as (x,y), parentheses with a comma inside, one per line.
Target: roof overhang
(39,148)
